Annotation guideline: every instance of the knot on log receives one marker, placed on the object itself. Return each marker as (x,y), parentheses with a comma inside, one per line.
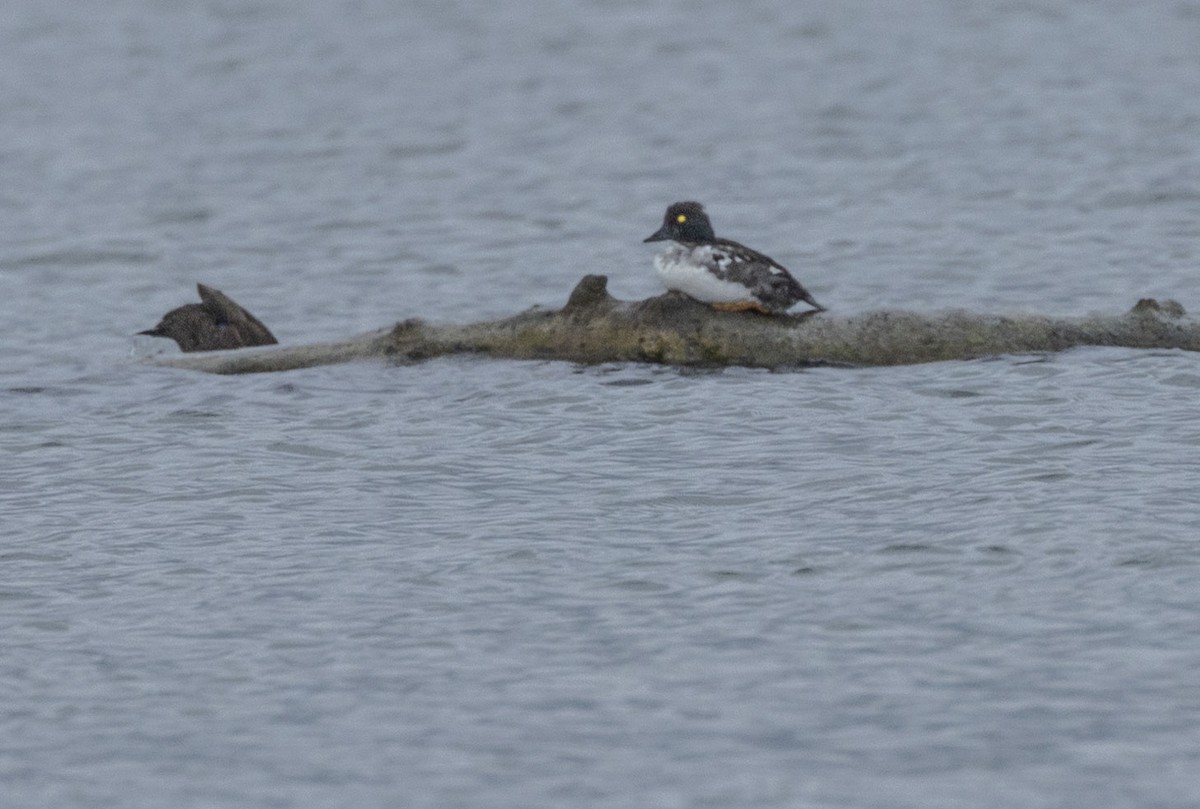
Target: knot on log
(406,328)
(590,293)
(1170,309)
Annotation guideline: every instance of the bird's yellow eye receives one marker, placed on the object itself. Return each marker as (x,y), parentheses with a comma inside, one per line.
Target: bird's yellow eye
(681,219)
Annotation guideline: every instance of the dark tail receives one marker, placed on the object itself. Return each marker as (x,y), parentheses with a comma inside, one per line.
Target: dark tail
(811,301)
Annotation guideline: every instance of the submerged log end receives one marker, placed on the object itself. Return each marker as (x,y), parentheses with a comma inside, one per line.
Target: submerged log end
(216,323)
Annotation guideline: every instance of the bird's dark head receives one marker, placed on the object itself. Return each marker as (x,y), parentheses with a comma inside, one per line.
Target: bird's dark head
(684,222)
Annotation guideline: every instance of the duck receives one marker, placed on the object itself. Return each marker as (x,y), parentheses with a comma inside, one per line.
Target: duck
(723,273)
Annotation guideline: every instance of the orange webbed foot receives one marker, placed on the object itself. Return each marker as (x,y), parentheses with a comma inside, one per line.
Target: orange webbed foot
(741,306)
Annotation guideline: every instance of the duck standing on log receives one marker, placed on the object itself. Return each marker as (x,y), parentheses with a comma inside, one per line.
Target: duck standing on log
(729,276)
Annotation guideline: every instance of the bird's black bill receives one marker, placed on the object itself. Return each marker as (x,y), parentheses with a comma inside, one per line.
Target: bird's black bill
(659,235)
(152,332)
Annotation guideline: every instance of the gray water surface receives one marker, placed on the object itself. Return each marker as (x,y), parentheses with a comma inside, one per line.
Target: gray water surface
(479,583)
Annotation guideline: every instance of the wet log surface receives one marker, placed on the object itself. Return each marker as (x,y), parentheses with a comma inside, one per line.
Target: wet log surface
(593,327)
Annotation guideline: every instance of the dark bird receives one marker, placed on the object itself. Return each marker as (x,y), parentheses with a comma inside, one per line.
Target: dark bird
(721,272)
(215,323)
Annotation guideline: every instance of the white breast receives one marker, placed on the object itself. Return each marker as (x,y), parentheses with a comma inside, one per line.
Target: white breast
(684,269)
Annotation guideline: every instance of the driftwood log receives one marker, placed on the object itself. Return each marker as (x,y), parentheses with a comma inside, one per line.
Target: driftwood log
(593,327)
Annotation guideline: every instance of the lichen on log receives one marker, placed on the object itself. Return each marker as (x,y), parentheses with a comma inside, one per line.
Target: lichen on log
(593,327)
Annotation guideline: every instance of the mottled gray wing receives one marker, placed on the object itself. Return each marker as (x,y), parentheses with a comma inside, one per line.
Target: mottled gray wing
(766,278)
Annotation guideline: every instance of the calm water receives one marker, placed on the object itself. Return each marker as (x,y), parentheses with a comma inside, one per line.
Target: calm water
(488,584)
